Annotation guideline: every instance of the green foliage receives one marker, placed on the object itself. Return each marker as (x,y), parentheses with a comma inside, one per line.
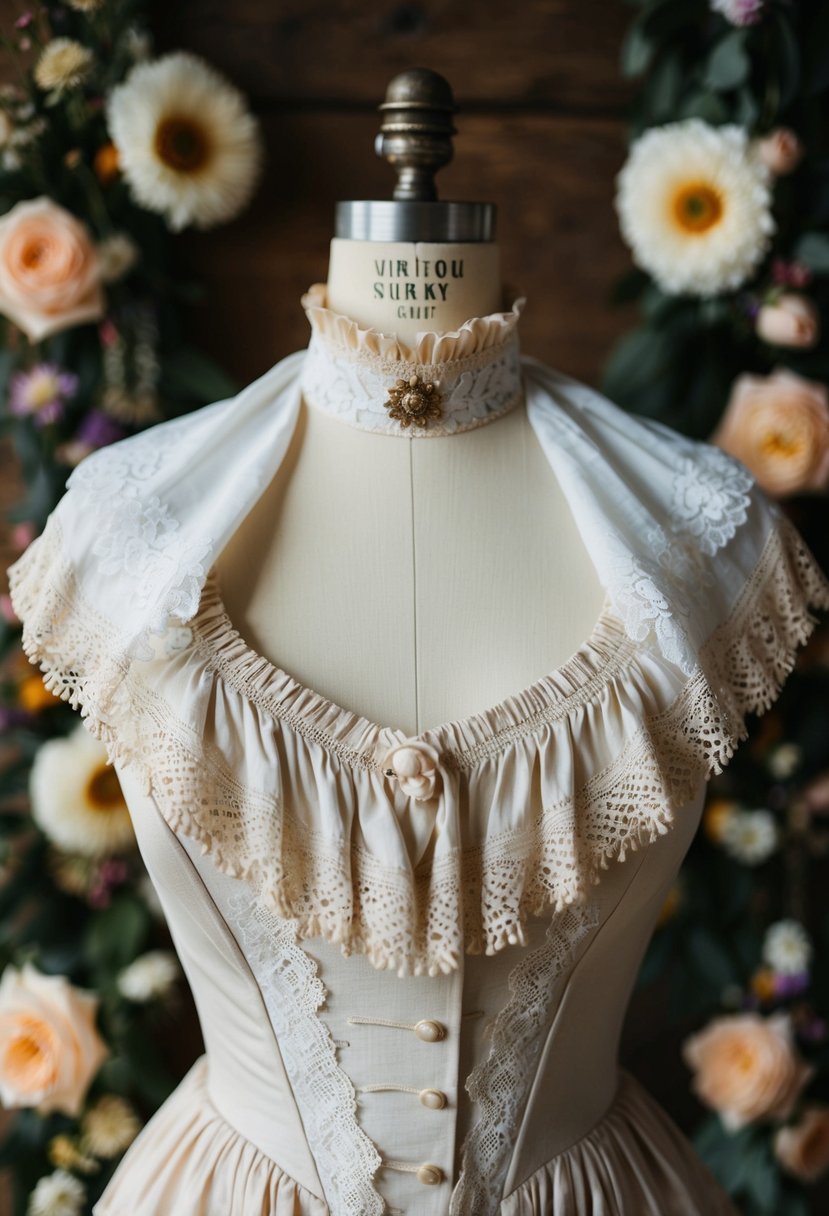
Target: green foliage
(679,364)
(82,917)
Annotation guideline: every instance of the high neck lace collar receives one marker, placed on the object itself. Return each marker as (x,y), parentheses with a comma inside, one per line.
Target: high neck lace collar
(439,385)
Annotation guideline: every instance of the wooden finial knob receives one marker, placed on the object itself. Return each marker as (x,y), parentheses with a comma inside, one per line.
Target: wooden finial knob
(416,132)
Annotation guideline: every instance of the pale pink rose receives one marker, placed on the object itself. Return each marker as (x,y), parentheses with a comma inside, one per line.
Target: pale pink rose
(778,426)
(50,1049)
(792,320)
(781,151)
(414,764)
(746,1068)
(50,276)
(803,1148)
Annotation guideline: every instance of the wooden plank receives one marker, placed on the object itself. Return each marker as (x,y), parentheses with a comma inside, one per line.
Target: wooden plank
(551,53)
(551,178)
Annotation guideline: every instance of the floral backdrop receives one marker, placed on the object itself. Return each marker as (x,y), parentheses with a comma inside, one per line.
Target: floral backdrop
(724,202)
(106,150)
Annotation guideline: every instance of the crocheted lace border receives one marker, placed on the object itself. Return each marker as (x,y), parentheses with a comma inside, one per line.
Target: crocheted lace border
(477,898)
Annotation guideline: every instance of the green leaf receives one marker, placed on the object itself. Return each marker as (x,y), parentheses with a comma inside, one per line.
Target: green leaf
(189,375)
(636,359)
(116,934)
(705,105)
(636,52)
(728,64)
(711,958)
(813,250)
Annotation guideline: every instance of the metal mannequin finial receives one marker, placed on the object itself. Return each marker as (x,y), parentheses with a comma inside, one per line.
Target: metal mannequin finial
(416,132)
(416,139)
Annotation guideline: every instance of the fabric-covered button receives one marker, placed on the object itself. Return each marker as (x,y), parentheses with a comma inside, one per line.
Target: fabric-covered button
(430,1175)
(414,764)
(429,1031)
(433,1098)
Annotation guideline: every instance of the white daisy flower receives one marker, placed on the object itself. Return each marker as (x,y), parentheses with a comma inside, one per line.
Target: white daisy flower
(787,948)
(785,760)
(58,1194)
(149,977)
(109,1126)
(76,796)
(63,64)
(694,204)
(750,836)
(187,144)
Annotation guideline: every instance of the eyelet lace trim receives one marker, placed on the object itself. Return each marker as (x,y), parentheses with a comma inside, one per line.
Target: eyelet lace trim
(346,1158)
(474,899)
(500,1082)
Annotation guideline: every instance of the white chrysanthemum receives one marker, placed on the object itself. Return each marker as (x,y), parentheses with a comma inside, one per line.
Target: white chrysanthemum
(739,12)
(148,977)
(187,144)
(750,836)
(58,1194)
(694,204)
(117,254)
(76,796)
(63,64)
(787,948)
(785,760)
(109,1126)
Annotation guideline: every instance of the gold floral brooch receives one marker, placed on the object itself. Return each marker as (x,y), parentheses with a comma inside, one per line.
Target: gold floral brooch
(414,402)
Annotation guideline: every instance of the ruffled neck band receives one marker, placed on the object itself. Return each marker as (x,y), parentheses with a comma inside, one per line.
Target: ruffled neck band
(439,385)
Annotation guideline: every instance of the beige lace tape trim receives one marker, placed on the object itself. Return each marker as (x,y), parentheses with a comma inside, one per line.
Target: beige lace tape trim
(474,900)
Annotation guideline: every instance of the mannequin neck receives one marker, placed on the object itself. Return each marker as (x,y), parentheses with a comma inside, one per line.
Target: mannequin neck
(404,288)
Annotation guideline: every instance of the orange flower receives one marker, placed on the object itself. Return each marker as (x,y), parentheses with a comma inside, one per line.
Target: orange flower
(778,426)
(33,695)
(762,984)
(107,164)
(50,1049)
(746,1068)
(717,814)
(672,904)
(803,1148)
(49,272)
(781,151)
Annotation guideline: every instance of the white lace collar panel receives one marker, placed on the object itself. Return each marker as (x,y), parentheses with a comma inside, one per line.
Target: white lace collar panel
(440,384)
(709,592)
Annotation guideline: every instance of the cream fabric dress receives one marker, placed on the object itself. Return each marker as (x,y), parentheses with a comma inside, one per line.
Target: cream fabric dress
(412,956)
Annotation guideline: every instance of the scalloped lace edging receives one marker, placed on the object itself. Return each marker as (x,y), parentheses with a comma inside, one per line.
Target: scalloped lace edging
(476,899)
(346,1158)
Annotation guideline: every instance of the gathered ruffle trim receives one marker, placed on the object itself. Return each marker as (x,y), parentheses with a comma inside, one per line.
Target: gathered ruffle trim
(188,1159)
(471,899)
(429,348)
(635,1160)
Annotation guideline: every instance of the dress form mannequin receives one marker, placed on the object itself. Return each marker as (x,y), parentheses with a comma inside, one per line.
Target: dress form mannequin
(457,572)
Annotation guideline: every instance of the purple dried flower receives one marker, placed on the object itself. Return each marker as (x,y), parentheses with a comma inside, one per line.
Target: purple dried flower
(98,430)
(41,392)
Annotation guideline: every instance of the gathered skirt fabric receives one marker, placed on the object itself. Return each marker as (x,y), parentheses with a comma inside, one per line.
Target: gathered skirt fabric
(189,1161)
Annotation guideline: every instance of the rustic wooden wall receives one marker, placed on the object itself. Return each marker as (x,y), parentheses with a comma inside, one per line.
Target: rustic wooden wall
(540,134)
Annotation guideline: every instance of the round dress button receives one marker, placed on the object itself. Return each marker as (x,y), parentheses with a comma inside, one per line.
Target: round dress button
(430,1175)
(429,1031)
(433,1098)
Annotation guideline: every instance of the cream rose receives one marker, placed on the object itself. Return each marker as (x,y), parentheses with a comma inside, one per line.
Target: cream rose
(792,320)
(778,426)
(50,275)
(414,764)
(746,1068)
(803,1148)
(49,1047)
(781,151)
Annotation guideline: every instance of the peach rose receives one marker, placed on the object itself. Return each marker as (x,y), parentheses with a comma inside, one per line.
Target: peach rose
(746,1068)
(49,270)
(778,426)
(792,320)
(781,151)
(49,1047)
(803,1148)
